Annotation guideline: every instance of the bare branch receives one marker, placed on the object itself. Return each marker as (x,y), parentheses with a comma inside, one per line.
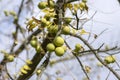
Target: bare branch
(96,55)
(79,62)
(8,73)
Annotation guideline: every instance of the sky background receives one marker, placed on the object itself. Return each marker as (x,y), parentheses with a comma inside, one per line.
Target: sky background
(107,16)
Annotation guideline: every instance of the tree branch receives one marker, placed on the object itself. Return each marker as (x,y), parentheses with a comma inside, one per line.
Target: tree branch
(37,58)
(81,65)
(96,55)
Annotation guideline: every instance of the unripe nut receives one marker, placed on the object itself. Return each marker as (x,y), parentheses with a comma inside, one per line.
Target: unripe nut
(42,5)
(38,71)
(109,59)
(53,29)
(65,48)
(50,47)
(78,47)
(59,51)
(38,49)
(58,41)
(66,30)
(67,20)
(84,1)
(52,4)
(10,58)
(33,43)
(82,5)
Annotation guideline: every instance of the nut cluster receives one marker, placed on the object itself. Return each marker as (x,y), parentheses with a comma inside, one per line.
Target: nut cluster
(57,46)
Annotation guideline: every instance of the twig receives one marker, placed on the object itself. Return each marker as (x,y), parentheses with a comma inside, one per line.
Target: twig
(99,35)
(107,76)
(69,71)
(17,26)
(87,20)
(37,58)
(82,67)
(100,47)
(78,61)
(81,54)
(96,55)
(22,46)
(44,65)
(77,21)
(8,73)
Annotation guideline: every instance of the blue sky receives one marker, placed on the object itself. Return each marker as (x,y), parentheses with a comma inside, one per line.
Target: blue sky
(107,16)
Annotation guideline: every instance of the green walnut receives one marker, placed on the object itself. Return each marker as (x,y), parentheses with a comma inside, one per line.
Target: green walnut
(47,16)
(109,59)
(67,20)
(78,47)
(65,48)
(33,43)
(38,48)
(59,51)
(66,30)
(38,71)
(52,4)
(10,58)
(50,47)
(44,21)
(53,29)
(42,5)
(58,41)
(84,1)
(82,5)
